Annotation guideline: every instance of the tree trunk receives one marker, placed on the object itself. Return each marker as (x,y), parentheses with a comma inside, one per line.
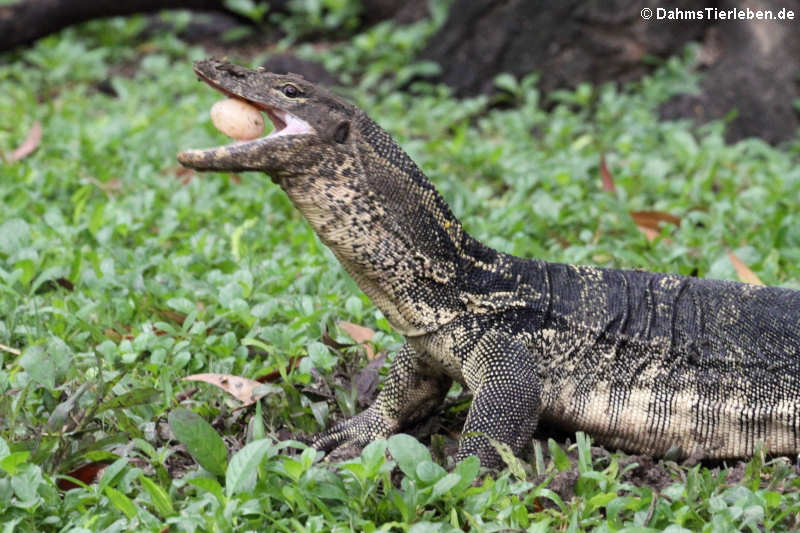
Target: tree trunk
(24,22)
(750,66)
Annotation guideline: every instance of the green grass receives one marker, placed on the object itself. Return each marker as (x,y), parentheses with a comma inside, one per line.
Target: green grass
(120,275)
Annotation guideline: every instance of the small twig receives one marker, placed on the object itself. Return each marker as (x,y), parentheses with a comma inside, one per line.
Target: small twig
(651,510)
(9,349)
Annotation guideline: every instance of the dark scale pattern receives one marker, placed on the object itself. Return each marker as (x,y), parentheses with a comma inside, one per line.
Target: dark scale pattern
(641,361)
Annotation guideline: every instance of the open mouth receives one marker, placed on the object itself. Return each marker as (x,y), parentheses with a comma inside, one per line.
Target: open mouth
(283,122)
(250,152)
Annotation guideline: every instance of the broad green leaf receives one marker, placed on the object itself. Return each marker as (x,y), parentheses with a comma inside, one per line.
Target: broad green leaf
(425,527)
(428,472)
(202,440)
(373,456)
(243,468)
(321,356)
(408,453)
(444,485)
(600,500)
(26,483)
(46,364)
(111,472)
(209,485)
(542,526)
(11,462)
(467,469)
(121,502)
(158,496)
(294,469)
(183,305)
(14,234)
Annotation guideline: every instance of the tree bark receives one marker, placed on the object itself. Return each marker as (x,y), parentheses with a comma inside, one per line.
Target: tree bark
(566,42)
(749,66)
(24,22)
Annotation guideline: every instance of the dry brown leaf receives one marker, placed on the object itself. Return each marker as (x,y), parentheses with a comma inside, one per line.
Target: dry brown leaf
(89,473)
(30,143)
(360,334)
(65,283)
(648,222)
(367,379)
(237,386)
(184,174)
(605,175)
(111,186)
(330,342)
(356,332)
(650,234)
(745,274)
(651,219)
(174,316)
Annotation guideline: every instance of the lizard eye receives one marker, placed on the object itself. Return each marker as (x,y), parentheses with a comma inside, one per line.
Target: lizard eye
(290,90)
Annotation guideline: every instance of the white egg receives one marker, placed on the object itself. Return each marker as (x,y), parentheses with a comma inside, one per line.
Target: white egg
(237,119)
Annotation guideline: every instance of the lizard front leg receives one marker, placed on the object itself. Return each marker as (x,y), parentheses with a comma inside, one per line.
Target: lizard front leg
(410,393)
(501,372)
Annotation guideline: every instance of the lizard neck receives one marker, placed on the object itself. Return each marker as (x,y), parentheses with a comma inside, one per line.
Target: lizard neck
(389,227)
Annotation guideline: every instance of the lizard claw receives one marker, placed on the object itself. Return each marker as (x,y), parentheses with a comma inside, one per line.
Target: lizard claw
(358,430)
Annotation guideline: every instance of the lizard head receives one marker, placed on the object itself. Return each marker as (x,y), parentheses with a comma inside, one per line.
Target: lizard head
(306,119)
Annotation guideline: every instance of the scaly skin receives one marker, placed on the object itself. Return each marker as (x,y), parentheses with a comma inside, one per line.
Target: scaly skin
(641,361)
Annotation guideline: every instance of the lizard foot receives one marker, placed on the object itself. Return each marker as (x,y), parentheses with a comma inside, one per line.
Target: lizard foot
(358,431)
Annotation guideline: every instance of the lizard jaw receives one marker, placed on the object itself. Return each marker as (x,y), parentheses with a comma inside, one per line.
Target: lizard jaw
(232,156)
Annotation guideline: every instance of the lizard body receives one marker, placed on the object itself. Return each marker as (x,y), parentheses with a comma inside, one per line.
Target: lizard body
(641,361)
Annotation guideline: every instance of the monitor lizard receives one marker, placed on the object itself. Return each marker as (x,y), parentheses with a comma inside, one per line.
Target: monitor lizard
(642,361)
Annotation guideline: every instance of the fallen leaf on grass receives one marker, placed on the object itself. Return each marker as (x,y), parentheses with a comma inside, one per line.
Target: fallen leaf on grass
(648,222)
(649,234)
(111,186)
(243,389)
(87,474)
(65,283)
(185,175)
(605,175)
(175,316)
(367,380)
(330,342)
(745,274)
(30,143)
(360,334)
